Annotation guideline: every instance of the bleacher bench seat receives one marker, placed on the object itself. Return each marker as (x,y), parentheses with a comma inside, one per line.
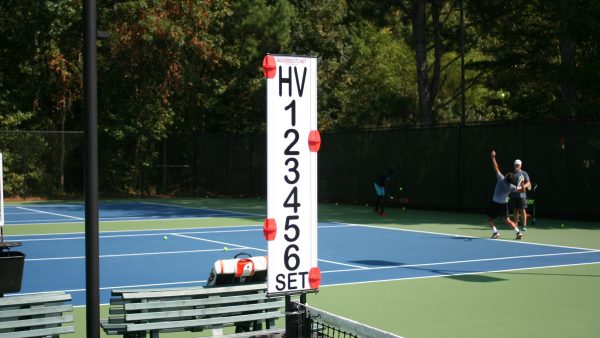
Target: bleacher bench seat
(154,311)
(39,315)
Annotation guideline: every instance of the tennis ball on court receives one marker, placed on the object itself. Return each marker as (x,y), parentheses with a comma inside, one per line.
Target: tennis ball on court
(400,188)
(165,237)
(225,248)
(562,225)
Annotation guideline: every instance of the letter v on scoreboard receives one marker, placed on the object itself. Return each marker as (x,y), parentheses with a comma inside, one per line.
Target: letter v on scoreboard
(293,142)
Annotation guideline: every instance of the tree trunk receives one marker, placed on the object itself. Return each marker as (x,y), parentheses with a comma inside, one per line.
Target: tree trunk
(434,84)
(567,64)
(420,41)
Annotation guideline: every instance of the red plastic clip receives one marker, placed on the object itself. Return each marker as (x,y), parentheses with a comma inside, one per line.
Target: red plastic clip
(269,229)
(314,278)
(269,66)
(314,141)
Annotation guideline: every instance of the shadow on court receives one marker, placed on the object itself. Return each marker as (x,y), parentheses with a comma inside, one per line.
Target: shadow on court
(374,262)
(476,278)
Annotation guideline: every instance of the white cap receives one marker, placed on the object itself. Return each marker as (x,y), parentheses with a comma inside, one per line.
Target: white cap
(518,162)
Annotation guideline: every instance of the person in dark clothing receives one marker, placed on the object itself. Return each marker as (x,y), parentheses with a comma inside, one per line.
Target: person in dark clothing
(380,190)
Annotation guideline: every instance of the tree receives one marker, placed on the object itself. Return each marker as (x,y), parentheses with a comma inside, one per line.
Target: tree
(41,67)
(540,61)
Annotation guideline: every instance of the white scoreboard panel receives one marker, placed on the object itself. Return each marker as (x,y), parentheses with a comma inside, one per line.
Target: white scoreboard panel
(292,145)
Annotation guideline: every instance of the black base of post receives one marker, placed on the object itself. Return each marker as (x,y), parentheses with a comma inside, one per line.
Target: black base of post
(290,327)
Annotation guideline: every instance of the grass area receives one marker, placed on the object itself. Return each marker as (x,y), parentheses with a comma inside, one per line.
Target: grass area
(549,302)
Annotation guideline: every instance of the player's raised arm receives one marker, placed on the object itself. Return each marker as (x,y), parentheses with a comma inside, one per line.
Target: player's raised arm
(494,163)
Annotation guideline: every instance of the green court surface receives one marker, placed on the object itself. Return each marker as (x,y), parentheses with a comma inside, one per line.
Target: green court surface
(548,302)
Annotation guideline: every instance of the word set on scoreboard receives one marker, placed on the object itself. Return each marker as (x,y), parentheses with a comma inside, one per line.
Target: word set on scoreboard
(292,145)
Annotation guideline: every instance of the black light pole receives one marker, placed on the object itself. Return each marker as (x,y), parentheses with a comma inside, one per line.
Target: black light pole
(462,103)
(90,92)
(462,62)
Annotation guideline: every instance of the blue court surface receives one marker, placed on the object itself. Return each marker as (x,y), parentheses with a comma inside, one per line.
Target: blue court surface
(348,253)
(32,213)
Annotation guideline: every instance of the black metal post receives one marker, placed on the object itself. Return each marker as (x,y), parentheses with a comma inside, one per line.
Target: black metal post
(291,318)
(462,63)
(459,191)
(90,90)
(305,322)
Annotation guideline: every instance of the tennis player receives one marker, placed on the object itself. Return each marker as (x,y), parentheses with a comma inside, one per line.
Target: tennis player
(518,200)
(499,205)
(380,190)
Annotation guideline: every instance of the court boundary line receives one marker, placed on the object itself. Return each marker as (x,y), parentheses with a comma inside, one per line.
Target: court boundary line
(199,208)
(129,254)
(141,230)
(160,232)
(75,219)
(517,242)
(224,229)
(111,220)
(387,267)
(463,274)
(262,250)
(51,213)
(107,288)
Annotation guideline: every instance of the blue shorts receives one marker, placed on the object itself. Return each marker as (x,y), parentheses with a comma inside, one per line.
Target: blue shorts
(379,190)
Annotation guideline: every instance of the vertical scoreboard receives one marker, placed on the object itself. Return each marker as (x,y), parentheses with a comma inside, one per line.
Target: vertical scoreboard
(292,145)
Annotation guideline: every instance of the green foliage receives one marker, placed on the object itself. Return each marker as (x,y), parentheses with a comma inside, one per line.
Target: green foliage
(376,90)
(526,58)
(188,68)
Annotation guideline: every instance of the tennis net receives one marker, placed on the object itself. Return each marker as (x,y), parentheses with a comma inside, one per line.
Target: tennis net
(323,324)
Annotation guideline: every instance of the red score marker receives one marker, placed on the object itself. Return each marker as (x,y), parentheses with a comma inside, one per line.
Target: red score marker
(314,141)
(270,229)
(269,66)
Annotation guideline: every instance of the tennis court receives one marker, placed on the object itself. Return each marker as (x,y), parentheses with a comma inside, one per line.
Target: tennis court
(156,244)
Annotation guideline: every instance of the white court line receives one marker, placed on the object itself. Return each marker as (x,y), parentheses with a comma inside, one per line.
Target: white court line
(131,255)
(462,274)
(232,245)
(115,287)
(218,242)
(338,225)
(257,249)
(322,286)
(358,267)
(463,261)
(166,232)
(218,214)
(51,206)
(461,236)
(153,231)
(200,208)
(116,219)
(51,213)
